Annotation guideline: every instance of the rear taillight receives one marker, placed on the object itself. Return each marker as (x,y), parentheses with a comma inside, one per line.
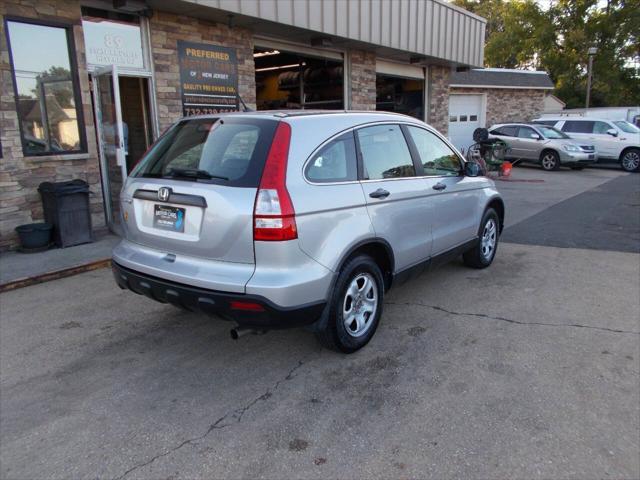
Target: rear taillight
(273,214)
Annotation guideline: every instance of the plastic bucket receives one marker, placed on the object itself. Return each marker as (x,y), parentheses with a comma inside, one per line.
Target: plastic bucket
(34,235)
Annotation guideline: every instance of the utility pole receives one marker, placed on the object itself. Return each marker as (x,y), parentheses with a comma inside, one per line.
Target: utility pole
(592,51)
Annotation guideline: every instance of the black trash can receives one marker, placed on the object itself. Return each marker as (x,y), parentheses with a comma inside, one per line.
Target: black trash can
(66,207)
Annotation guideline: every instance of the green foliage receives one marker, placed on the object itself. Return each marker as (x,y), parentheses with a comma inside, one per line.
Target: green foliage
(57,82)
(556,38)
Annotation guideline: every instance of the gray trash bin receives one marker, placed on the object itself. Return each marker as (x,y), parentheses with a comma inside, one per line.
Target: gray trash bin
(66,207)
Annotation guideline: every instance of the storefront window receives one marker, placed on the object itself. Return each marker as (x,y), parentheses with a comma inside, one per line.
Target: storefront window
(46,89)
(287,80)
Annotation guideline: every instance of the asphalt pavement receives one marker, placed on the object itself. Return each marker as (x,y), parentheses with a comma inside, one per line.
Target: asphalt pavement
(606,217)
(528,369)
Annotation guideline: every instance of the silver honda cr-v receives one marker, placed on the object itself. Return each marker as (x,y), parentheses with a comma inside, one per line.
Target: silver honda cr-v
(283,219)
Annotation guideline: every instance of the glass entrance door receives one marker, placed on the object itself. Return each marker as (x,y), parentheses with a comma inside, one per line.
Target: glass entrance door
(111,140)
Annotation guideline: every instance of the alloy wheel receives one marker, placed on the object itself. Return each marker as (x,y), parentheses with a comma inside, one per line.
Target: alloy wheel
(489,239)
(549,161)
(360,304)
(631,161)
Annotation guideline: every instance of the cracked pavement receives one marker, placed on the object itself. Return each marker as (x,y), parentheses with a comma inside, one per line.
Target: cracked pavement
(529,369)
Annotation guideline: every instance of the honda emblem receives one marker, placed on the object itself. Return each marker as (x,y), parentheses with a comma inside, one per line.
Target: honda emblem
(164,193)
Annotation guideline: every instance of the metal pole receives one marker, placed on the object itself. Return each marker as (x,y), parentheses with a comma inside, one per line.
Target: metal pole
(589,70)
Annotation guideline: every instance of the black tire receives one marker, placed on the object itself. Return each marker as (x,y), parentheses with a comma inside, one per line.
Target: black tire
(550,160)
(333,334)
(630,160)
(477,257)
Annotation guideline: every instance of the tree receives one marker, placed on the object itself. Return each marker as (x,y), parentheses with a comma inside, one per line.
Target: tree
(520,34)
(57,82)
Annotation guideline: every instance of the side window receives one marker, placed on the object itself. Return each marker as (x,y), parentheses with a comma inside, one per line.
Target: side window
(335,162)
(505,131)
(601,128)
(436,156)
(385,153)
(525,132)
(510,131)
(578,126)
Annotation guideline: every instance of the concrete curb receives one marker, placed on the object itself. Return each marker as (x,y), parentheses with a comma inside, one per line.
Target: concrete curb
(55,275)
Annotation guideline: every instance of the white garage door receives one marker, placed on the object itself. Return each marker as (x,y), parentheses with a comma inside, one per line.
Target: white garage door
(465,115)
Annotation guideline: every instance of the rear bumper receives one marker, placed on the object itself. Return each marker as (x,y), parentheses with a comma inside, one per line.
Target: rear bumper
(217,302)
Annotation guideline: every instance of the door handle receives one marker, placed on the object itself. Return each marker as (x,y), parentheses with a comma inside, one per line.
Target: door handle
(439,186)
(379,193)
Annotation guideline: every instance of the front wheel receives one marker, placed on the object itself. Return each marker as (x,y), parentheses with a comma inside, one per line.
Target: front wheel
(630,160)
(355,306)
(550,160)
(482,255)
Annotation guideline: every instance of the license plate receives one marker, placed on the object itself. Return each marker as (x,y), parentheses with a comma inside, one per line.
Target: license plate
(168,218)
(591,157)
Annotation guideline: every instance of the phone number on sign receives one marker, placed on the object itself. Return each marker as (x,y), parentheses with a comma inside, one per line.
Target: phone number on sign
(206,111)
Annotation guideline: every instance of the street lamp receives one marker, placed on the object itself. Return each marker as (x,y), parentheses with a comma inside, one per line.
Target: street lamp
(592,51)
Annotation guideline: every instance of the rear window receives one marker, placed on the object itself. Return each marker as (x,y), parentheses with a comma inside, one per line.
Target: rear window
(227,151)
(549,123)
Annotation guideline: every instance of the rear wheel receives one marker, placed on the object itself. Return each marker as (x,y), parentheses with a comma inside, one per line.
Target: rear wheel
(484,252)
(355,306)
(630,160)
(550,160)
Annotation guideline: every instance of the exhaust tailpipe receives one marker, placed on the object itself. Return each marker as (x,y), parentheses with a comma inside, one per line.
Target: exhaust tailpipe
(238,332)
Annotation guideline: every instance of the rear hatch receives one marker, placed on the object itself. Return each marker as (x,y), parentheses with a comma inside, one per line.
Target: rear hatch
(193,194)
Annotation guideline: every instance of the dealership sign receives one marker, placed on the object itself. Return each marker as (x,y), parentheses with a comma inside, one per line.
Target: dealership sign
(208,78)
(112,43)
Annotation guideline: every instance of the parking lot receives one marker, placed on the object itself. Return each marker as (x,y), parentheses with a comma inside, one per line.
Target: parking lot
(528,369)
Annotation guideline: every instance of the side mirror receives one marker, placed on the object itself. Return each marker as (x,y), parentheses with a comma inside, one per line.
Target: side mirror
(535,136)
(613,132)
(472,169)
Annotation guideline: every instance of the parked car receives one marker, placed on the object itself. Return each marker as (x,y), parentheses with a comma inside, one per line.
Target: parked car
(616,141)
(299,218)
(544,145)
(630,114)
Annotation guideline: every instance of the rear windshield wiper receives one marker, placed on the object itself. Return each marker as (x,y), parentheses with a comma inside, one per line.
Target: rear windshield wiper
(193,173)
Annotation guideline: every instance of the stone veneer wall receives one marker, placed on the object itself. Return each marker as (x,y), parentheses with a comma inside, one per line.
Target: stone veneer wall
(438,114)
(166,30)
(363,80)
(19,175)
(508,104)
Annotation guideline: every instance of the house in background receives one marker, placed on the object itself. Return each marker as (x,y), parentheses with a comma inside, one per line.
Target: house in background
(482,97)
(553,104)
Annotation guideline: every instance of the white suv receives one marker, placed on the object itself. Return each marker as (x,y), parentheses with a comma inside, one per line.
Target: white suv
(615,140)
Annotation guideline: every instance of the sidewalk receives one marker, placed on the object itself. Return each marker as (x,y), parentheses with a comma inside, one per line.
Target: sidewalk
(22,269)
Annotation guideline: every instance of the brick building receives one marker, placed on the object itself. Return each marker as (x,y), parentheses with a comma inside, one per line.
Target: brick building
(484,97)
(87,86)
